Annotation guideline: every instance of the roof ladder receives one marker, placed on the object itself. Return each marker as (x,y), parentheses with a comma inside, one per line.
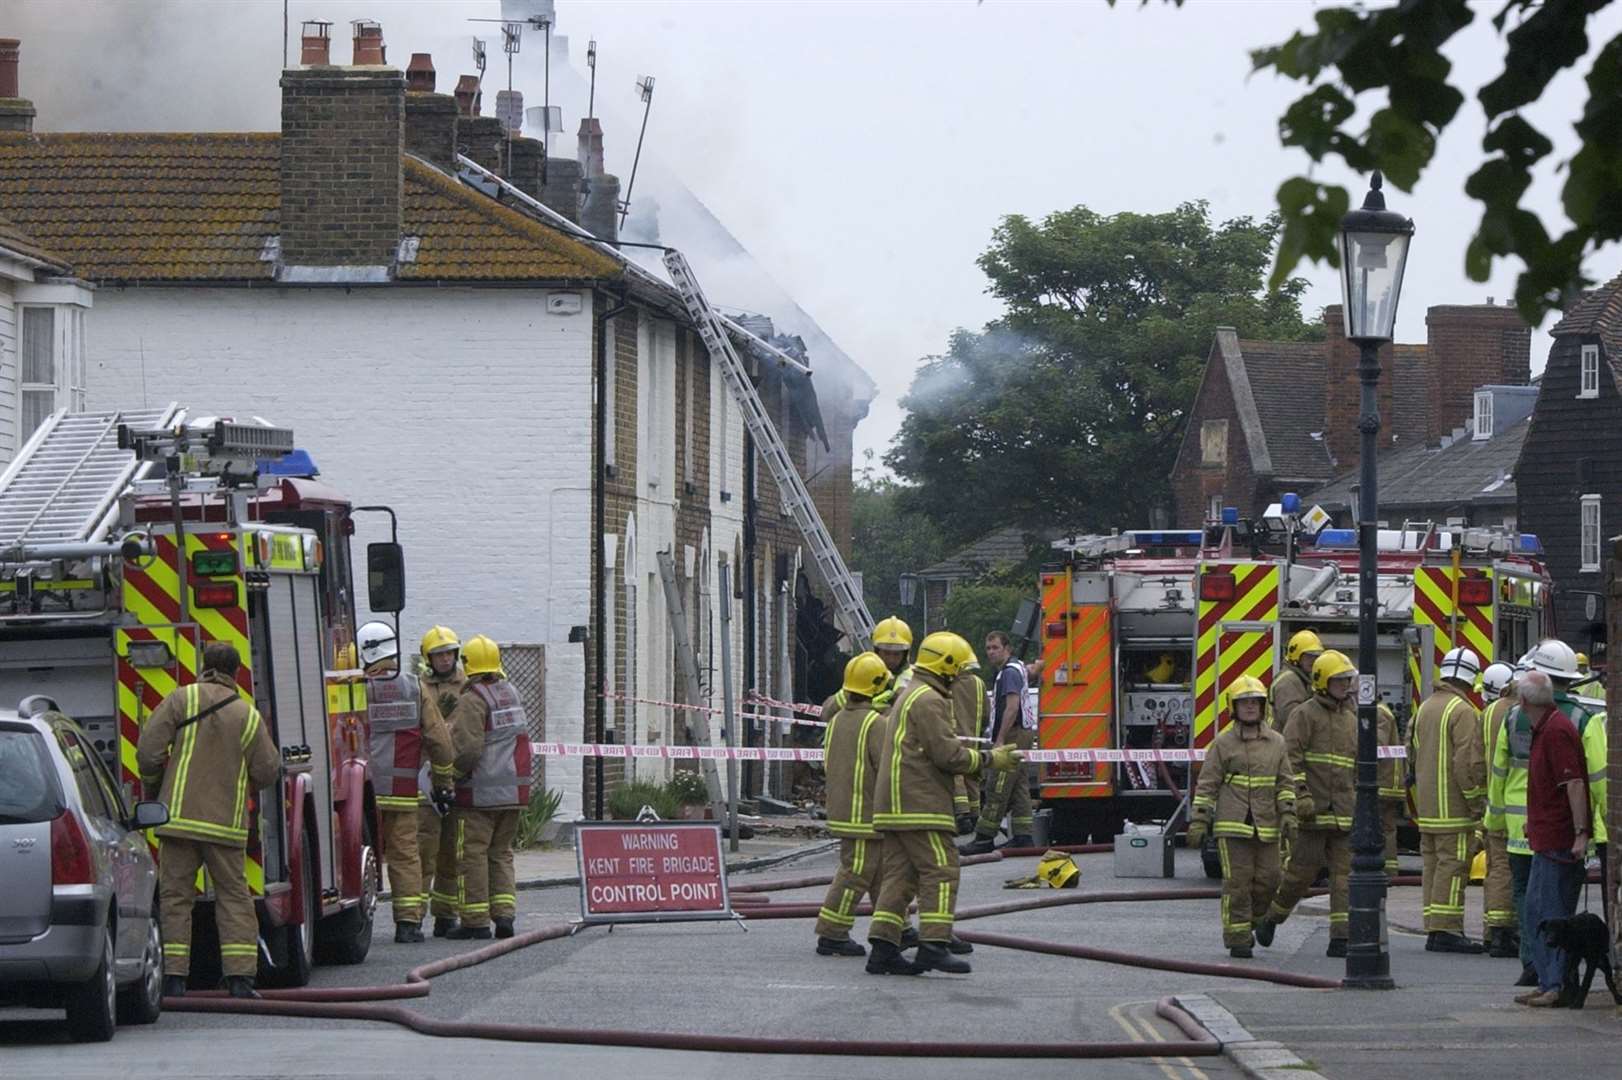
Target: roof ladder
(847,596)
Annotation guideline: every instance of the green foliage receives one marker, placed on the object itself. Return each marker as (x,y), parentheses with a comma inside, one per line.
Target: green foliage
(688,788)
(542,808)
(889,540)
(1067,411)
(974,610)
(627,800)
(1397,50)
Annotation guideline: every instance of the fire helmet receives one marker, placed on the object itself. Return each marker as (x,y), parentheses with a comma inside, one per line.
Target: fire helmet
(481,656)
(892,633)
(377,643)
(1302,643)
(866,675)
(1330,665)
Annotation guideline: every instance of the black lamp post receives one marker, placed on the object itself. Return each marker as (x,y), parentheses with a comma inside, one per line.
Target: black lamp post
(1373,252)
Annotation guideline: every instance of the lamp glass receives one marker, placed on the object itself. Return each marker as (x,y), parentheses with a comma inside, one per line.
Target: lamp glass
(1372,263)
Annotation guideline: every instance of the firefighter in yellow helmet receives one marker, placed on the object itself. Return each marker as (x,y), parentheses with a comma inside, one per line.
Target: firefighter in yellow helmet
(1321,738)
(969,715)
(1246,799)
(892,641)
(442,683)
(1450,791)
(491,733)
(852,745)
(1500,911)
(912,810)
(1293,683)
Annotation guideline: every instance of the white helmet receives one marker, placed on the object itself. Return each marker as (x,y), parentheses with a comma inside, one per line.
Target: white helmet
(377,642)
(1461,665)
(1555,659)
(1496,678)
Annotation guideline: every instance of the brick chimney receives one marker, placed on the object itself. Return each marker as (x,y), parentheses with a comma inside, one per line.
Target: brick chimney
(16,112)
(562,191)
(420,75)
(343,131)
(315,43)
(525,160)
(430,120)
(599,213)
(1343,393)
(483,140)
(1470,346)
(369,48)
(589,148)
(468,96)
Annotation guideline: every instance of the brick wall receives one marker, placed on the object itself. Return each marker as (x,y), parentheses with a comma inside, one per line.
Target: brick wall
(430,128)
(342,131)
(1467,347)
(483,140)
(1195,483)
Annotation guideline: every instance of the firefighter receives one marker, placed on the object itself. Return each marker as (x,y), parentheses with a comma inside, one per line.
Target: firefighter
(442,683)
(205,752)
(912,811)
(892,641)
(969,714)
(1008,792)
(1450,787)
(1499,918)
(851,747)
(1293,684)
(401,730)
(1393,793)
(1321,737)
(1246,799)
(1588,683)
(490,732)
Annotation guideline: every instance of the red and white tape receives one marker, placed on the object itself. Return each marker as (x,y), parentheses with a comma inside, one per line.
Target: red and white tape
(796,753)
(713,711)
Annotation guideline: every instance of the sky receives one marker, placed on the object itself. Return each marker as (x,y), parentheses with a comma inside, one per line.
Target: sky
(862,151)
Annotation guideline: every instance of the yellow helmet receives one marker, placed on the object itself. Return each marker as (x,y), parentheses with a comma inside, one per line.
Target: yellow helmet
(892,633)
(970,660)
(1058,870)
(481,656)
(1582,663)
(866,674)
(1331,665)
(1302,642)
(943,653)
(439,638)
(1245,686)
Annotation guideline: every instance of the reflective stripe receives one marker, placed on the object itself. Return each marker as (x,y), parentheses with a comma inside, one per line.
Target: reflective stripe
(1329,759)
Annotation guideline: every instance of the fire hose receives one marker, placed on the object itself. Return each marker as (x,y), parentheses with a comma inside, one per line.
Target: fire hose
(375,1003)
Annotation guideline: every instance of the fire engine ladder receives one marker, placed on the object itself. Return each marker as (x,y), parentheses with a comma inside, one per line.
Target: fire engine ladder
(63,487)
(847,596)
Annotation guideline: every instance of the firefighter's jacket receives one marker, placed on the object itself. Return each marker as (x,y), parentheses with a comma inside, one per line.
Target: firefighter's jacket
(852,745)
(440,693)
(490,732)
(1290,689)
(1445,752)
(1591,732)
(969,704)
(1390,768)
(921,755)
(1495,751)
(210,768)
(1322,740)
(1246,784)
(403,725)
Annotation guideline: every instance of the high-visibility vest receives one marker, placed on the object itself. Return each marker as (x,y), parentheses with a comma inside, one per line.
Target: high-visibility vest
(394,717)
(502,775)
(1591,733)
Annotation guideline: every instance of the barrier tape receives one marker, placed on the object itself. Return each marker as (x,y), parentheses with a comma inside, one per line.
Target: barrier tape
(713,711)
(798,753)
(755,697)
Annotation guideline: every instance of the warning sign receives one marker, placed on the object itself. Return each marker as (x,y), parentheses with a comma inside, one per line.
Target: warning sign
(659,871)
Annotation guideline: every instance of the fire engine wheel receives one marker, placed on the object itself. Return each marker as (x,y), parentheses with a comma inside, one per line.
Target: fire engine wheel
(298,940)
(346,938)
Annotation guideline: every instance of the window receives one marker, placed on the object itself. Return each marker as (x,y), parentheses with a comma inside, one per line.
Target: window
(38,360)
(1590,537)
(91,795)
(611,367)
(1590,383)
(1213,511)
(1214,442)
(1483,426)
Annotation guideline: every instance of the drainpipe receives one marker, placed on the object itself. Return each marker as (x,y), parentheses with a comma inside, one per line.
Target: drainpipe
(601,628)
(747,573)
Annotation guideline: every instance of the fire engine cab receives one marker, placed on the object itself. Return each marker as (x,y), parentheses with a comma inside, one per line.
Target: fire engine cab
(128,540)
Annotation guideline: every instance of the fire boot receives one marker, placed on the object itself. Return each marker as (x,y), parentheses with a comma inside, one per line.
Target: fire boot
(241,986)
(1447,941)
(909,938)
(1504,944)
(886,959)
(1240,952)
(174,986)
(958,947)
(981,845)
(407,933)
(470,933)
(504,925)
(827,946)
(444,924)
(1264,932)
(1337,947)
(932,956)
(1023,840)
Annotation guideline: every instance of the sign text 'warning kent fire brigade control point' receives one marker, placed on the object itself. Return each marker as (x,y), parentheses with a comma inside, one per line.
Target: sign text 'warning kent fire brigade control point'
(659,870)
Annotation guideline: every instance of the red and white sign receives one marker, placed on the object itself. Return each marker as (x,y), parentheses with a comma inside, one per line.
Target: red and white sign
(662,870)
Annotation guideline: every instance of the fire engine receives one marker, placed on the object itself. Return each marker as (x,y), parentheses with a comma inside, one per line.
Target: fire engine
(1141,633)
(128,540)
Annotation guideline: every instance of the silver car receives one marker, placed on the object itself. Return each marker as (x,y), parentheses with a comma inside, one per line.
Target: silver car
(79,922)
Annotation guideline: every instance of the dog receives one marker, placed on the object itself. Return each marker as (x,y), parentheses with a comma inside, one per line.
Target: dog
(1582,937)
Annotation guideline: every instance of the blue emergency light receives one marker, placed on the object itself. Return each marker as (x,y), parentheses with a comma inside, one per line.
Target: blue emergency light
(1230,515)
(296,462)
(1167,538)
(1290,502)
(1337,538)
(1530,545)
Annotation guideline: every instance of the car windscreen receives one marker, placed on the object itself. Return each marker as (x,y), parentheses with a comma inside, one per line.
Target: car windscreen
(28,787)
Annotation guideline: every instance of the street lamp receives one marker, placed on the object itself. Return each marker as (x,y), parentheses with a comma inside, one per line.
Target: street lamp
(1373,253)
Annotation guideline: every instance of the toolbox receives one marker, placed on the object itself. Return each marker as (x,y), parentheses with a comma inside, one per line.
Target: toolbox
(1143,851)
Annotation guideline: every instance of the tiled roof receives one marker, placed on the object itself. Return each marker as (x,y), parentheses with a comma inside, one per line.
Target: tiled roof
(1465,472)
(199,207)
(1002,547)
(15,240)
(1286,381)
(1598,312)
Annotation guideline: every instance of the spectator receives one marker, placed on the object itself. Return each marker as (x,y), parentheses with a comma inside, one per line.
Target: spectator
(1557,829)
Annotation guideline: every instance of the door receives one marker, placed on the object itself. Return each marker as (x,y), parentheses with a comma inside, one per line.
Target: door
(1078,684)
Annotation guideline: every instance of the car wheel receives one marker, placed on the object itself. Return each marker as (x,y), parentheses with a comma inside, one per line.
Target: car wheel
(93,1004)
(143,1002)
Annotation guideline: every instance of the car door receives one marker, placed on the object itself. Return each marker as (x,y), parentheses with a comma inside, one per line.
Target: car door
(106,828)
(138,875)
(30,797)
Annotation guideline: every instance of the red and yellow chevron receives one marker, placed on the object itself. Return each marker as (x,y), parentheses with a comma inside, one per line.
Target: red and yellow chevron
(1078,689)
(1433,607)
(1222,655)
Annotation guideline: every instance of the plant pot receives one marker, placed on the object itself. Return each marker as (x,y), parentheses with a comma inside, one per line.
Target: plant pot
(698,812)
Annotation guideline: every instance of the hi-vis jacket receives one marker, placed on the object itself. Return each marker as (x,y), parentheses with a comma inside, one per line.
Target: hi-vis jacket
(1321,737)
(1506,785)
(490,732)
(1450,772)
(852,746)
(921,754)
(402,725)
(1290,689)
(1591,731)
(1246,784)
(1512,755)
(209,768)
(440,693)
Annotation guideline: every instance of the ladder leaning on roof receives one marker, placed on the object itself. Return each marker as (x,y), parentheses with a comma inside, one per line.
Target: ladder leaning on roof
(847,596)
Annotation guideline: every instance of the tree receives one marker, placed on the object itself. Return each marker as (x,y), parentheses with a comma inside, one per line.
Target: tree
(974,609)
(1396,51)
(887,541)
(1067,411)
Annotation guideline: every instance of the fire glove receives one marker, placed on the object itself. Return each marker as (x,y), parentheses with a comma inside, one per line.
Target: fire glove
(1289,828)
(443,801)
(1196,832)
(1305,808)
(965,824)
(1004,758)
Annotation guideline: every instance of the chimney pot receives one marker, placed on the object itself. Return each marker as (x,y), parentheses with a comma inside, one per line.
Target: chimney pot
(368,43)
(589,145)
(468,96)
(420,74)
(510,110)
(9,48)
(315,43)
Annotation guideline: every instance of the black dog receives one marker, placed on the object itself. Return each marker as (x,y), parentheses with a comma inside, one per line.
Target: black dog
(1582,937)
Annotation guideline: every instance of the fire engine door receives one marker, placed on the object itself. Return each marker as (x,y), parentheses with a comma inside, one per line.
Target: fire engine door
(1243,648)
(1078,692)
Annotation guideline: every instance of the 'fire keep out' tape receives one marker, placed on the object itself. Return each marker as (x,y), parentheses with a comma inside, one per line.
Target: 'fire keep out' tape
(796,753)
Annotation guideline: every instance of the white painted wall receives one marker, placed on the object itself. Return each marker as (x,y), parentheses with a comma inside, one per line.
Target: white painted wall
(656,483)
(726,524)
(8,372)
(467,410)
